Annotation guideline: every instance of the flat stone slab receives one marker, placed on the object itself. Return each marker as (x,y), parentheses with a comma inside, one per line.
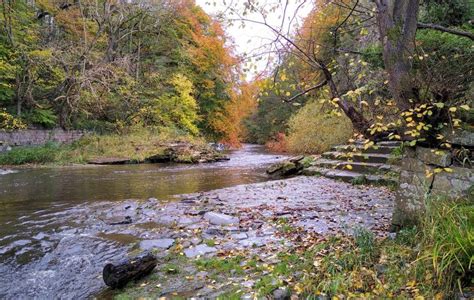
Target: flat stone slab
(239,236)
(220,219)
(160,243)
(252,242)
(201,249)
(110,161)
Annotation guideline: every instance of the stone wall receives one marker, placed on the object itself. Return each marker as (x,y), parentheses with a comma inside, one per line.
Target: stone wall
(415,185)
(37,137)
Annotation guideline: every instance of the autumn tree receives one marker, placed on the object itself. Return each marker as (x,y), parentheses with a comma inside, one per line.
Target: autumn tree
(110,65)
(351,29)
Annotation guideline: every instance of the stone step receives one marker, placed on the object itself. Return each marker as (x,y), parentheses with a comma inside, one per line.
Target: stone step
(361,167)
(360,148)
(367,157)
(383,143)
(349,176)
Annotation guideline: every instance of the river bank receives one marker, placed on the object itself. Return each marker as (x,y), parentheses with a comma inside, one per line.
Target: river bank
(143,146)
(228,241)
(294,238)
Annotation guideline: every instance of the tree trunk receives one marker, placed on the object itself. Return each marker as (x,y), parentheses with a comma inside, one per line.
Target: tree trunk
(358,120)
(397,23)
(118,275)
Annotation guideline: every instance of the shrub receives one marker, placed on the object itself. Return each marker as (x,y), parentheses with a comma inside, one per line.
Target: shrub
(31,155)
(9,122)
(278,144)
(313,129)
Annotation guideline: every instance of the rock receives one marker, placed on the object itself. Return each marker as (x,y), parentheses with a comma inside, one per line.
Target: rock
(160,243)
(248,284)
(217,146)
(187,221)
(434,156)
(126,220)
(296,159)
(239,236)
(196,241)
(220,219)
(110,161)
(202,274)
(415,185)
(199,250)
(252,242)
(160,158)
(215,230)
(285,168)
(281,293)
(459,137)
(187,153)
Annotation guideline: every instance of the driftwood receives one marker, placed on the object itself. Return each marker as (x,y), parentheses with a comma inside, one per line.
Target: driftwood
(119,274)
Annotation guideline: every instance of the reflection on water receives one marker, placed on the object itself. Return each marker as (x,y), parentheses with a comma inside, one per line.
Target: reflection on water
(42,243)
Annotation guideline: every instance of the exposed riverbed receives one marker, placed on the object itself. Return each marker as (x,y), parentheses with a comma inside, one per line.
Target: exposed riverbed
(49,247)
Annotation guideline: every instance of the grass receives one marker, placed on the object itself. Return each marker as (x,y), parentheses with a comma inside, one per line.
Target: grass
(432,260)
(48,153)
(135,145)
(449,240)
(221,266)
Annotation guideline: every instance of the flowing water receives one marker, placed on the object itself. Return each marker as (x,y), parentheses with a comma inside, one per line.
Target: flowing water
(46,251)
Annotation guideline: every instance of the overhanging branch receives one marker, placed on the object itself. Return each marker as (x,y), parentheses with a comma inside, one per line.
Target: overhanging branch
(445,29)
(319,85)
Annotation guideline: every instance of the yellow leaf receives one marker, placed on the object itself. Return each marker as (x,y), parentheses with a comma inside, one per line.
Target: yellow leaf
(452,109)
(349,167)
(449,170)
(411,283)
(465,107)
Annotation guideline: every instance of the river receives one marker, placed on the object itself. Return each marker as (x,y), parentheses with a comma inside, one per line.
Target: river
(47,251)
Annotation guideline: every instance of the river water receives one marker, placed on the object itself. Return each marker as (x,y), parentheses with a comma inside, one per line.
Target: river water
(46,251)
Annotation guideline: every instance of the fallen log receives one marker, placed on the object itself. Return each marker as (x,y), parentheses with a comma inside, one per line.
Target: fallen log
(119,274)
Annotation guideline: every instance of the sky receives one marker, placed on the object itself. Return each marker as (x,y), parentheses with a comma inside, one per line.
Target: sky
(251,39)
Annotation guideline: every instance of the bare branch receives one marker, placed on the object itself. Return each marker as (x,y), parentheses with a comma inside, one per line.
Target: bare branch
(445,29)
(318,86)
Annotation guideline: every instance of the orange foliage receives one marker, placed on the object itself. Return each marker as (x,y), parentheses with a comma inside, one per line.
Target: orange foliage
(314,36)
(207,48)
(229,122)
(278,144)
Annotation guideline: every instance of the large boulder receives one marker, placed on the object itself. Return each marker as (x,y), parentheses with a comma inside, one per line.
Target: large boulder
(187,153)
(292,166)
(434,156)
